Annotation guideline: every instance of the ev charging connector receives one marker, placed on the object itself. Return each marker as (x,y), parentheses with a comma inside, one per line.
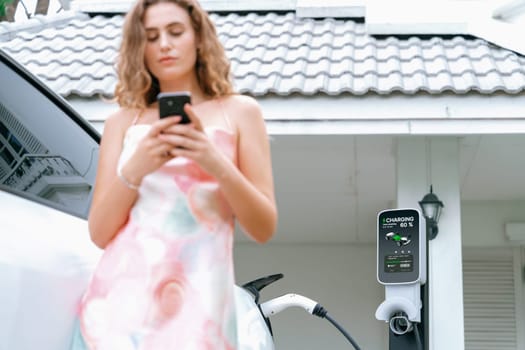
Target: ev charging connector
(401,268)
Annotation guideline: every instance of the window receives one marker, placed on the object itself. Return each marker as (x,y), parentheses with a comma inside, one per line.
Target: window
(47,153)
(15,144)
(7,156)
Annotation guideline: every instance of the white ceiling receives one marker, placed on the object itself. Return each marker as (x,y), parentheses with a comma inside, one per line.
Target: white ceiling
(329,188)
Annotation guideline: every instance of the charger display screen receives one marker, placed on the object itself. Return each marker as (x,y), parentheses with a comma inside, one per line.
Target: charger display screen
(398,246)
(399,263)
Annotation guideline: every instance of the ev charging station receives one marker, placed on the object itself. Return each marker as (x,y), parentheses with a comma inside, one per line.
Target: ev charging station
(401,268)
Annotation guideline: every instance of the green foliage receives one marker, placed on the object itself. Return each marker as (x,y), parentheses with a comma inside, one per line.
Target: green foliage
(3,5)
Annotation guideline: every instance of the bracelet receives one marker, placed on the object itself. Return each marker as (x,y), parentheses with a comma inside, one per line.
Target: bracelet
(125,181)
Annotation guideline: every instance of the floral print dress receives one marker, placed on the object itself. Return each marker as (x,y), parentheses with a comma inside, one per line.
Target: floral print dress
(166,280)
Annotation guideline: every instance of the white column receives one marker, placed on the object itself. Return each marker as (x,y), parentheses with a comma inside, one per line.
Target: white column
(435,161)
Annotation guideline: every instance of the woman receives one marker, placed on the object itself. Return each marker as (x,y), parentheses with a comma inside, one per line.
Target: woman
(166,193)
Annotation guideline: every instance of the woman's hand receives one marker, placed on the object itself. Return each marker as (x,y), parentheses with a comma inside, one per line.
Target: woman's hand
(151,152)
(190,141)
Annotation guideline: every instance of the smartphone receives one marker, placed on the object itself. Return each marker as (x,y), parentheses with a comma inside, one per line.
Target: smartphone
(172,103)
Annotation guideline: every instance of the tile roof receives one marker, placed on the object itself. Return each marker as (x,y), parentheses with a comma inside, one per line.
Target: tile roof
(275,54)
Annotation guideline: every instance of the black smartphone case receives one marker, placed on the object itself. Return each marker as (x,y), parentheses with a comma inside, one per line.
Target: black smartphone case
(173,104)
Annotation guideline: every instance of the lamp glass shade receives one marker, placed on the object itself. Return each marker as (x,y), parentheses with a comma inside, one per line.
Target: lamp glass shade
(429,210)
(431,206)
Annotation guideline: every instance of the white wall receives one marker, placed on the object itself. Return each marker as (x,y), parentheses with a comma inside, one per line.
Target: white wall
(483,222)
(342,278)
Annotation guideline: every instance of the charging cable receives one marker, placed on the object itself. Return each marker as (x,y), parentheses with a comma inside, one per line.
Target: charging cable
(281,303)
(418,336)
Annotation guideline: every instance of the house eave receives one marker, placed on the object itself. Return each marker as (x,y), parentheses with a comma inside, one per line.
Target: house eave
(372,115)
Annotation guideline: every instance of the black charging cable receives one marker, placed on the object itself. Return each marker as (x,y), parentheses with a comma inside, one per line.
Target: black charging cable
(320,311)
(418,336)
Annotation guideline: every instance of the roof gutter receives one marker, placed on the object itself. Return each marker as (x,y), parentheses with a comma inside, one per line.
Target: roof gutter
(420,127)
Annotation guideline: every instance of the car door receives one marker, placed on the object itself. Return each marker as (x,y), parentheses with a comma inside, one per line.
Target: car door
(48,157)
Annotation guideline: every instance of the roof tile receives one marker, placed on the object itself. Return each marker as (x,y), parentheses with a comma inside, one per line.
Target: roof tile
(514,82)
(431,52)
(392,65)
(279,52)
(322,66)
(479,51)
(509,66)
(275,54)
(387,51)
(320,53)
(440,82)
(251,67)
(465,82)
(485,65)
(437,65)
(412,66)
(412,83)
(366,66)
(266,70)
(299,53)
(456,52)
(291,84)
(339,68)
(394,81)
(460,65)
(491,81)
(338,83)
(363,53)
(312,85)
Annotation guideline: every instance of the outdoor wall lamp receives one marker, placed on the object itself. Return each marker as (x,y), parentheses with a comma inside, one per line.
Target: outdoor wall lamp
(431,206)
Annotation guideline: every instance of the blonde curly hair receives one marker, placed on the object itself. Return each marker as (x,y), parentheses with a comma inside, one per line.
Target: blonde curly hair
(138,88)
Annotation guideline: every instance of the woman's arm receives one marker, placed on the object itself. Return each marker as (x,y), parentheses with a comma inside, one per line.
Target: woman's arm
(250,189)
(112,197)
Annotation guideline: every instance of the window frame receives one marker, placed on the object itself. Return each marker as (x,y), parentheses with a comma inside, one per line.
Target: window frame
(61,104)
